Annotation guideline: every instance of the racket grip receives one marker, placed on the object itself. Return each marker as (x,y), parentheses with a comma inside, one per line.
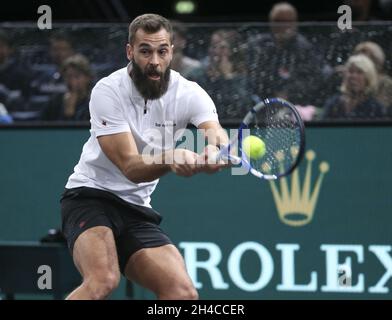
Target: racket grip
(216,157)
(223,155)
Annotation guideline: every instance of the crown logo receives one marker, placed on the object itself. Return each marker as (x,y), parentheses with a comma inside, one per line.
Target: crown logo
(296,206)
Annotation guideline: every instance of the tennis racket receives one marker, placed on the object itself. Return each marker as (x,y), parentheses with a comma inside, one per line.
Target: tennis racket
(278,123)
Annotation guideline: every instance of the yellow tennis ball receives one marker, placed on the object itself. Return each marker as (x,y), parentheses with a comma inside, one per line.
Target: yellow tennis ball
(253,147)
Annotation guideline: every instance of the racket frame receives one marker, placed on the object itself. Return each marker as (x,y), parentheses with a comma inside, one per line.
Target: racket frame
(224,153)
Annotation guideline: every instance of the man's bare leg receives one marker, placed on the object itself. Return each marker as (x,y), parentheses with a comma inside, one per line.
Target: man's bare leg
(95,255)
(161,270)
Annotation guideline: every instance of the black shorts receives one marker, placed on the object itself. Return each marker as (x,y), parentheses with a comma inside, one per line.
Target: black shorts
(134,227)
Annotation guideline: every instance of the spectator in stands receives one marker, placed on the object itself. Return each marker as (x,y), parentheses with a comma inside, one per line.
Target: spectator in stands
(14,77)
(182,63)
(284,59)
(74,103)
(61,48)
(383,93)
(356,97)
(307,112)
(223,74)
(340,43)
(50,81)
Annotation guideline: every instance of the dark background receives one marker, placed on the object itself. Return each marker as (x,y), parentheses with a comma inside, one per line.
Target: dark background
(207,10)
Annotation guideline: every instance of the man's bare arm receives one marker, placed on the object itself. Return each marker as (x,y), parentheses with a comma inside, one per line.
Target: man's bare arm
(214,133)
(121,149)
(216,136)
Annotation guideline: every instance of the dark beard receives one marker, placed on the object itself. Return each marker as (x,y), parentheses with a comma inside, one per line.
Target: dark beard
(150,89)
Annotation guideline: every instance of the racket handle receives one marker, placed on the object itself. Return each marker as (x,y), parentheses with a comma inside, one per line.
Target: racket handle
(234,159)
(223,155)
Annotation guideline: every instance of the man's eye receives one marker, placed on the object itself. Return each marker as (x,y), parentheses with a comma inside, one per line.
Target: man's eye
(144,51)
(162,52)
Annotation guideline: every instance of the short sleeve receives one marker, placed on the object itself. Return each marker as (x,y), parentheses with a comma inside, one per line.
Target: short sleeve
(107,116)
(201,108)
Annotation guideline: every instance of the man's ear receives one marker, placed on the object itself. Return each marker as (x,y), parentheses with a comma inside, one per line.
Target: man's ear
(129,50)
(172,50)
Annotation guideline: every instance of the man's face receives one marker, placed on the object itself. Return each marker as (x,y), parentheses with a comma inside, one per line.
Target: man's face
(284,25)
(151,54)
(60,50)
(219,48)
(76,80)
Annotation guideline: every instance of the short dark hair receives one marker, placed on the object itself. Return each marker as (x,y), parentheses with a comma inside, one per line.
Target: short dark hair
(61,35)
(78,62)
(149,23)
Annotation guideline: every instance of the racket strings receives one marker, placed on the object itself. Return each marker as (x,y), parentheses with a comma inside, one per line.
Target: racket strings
(276,125)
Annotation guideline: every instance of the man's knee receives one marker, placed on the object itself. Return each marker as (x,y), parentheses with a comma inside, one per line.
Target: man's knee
(101,285)
(180,292)
(190,294)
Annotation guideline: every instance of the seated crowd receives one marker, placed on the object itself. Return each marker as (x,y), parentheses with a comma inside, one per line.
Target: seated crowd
(237,69)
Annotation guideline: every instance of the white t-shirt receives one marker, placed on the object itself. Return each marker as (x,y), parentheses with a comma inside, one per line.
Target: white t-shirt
(116,106)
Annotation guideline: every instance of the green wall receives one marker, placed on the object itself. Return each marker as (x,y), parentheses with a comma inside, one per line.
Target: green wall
(354,208)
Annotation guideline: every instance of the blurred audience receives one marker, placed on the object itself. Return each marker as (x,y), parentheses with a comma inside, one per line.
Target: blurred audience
(374,52)
(182,63)
(284,60)
(356,97)
(340,43)
(49,80)
(14,76)
(5,117)
(74,103)
(361,9)
(307,112)
(223,75)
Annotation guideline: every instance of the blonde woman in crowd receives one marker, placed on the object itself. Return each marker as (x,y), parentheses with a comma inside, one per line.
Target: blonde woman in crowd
(383,92)
(356,99)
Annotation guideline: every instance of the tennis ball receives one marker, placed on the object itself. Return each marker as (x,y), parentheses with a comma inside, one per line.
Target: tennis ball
(253,147)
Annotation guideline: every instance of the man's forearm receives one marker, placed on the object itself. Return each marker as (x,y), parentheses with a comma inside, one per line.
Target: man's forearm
(217,137)
(146,168)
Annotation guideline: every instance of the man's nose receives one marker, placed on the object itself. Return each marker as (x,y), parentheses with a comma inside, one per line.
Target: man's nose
(154,59)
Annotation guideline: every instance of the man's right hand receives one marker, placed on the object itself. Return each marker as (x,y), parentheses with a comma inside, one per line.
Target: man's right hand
(184,163)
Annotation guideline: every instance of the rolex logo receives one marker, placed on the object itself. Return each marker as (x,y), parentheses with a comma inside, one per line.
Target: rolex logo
(296,204)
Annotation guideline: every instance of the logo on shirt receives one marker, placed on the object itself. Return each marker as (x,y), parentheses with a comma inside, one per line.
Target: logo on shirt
(165,124)
(104,122)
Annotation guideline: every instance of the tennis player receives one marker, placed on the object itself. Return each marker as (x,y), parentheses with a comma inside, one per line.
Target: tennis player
(106,213)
